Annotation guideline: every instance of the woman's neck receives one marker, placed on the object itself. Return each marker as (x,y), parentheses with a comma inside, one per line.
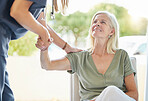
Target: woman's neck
(100,47)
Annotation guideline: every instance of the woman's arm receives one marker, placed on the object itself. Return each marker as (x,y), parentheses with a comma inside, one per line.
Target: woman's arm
(47,64)
(20,12)
(57,40)
(131,86)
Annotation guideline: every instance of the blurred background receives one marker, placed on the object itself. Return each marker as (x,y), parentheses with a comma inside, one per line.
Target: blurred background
(30,83)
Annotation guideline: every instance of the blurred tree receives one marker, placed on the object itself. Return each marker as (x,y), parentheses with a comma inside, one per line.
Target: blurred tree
(78,24)
(24,46)
(127,27)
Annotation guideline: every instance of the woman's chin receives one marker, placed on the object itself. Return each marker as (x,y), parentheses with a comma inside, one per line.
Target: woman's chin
(96,35)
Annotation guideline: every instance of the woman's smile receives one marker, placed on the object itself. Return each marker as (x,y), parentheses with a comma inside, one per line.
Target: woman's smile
(96,28)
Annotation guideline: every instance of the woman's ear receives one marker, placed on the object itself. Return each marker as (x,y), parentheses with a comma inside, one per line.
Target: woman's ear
(112,31)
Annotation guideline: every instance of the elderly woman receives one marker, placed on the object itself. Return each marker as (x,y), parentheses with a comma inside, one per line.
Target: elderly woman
(105,72)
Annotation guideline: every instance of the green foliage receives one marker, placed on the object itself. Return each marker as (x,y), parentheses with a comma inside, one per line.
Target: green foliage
(24,46)
(127,27)
(79,22)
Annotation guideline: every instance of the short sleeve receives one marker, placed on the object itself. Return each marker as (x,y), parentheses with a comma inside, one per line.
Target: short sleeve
(41,2)
(38,4)
(72,57)
(128,68)
(43,10)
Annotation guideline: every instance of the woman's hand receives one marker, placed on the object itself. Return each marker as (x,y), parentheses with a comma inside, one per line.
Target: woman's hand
(41,45)
(69,49)
(72,50)
(45,39)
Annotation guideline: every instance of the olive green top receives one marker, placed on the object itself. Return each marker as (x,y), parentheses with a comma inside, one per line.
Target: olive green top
(91,82)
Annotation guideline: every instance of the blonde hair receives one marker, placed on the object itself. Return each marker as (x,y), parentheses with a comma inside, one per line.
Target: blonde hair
(112,44)
(64,6)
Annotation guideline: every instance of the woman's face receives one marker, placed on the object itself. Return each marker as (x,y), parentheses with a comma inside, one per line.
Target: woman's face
(101,27)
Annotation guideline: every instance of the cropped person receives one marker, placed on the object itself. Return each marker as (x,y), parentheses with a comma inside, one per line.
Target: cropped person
(105,72)
(16,18)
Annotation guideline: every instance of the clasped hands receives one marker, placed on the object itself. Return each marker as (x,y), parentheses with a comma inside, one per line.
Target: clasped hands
(42,45)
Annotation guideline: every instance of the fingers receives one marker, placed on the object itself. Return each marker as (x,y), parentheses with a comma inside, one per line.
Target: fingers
(78,50)
(40,42)
(38,46)
(43,45)
(72,50)
(46,45)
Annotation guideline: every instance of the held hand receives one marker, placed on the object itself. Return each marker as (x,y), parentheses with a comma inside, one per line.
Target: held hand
(75,50)
(45,39)
(40,44)
(70,49)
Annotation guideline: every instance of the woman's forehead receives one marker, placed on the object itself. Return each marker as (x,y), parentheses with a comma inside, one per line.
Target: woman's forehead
(101,17)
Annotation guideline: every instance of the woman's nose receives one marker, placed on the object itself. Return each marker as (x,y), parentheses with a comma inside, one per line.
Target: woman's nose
(98,23)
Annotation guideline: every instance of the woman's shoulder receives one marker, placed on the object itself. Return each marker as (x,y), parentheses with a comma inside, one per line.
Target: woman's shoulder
(79,54)
(78,57)
(122,52)
(84,52)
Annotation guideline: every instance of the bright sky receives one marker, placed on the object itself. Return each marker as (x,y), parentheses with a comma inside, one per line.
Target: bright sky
(135,7)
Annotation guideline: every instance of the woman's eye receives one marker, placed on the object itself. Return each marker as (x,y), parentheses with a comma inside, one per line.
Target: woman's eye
(103,22)
(95,21)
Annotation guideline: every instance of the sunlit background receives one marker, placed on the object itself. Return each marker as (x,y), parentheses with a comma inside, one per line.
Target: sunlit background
(30,83)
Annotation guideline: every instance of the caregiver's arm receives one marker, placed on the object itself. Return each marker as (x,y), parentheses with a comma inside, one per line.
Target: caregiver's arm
(20,12)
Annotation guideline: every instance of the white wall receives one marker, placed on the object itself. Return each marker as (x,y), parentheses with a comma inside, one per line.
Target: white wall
(30,82)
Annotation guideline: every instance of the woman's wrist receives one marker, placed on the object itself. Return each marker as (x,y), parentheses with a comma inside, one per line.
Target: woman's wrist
(66,47)
(44,51)
(69,49)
